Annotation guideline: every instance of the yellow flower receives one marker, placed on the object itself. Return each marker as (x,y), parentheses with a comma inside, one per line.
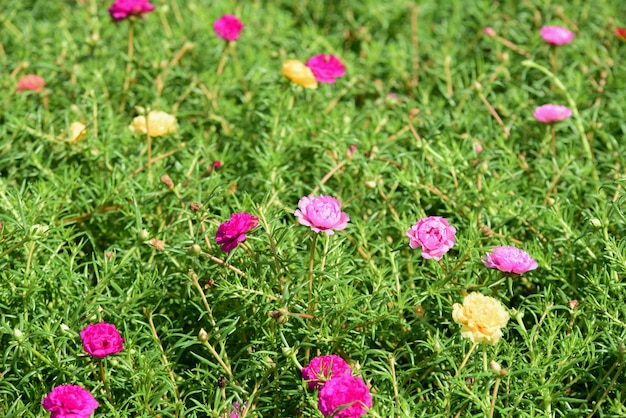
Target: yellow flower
(159,123)
(299,73)
(482,317)
(77,132)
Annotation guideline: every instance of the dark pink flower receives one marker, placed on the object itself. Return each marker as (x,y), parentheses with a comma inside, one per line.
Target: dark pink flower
(509,260)
(326,68)
(237,410)
(30,82)
(232,232)
(101,340)
(344,397)
(322,214)
(556,35)
(228,27)
(550,113)
(323,368)
(621,32)
(434,234)
(69,401)
(122,9)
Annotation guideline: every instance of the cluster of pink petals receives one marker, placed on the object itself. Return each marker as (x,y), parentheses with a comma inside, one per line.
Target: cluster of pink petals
(323,368)
(101,340)
(551,113)
(434,234)
(232,232)
(228,27)
(509,259)
(345,396)
(122,9)
(556,35)
(489,31)
(30,82)
(322,214)
(326,68)
(236,410)
(69,401)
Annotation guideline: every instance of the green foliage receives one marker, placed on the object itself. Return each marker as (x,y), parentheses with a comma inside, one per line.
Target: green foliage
(79,221)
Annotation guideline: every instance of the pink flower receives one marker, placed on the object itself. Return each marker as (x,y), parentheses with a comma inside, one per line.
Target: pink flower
(30,82)
(323,368)
(556,35)
(237,410)
(621,32)
(69,401)
(509,260)
(344,397)
(232,232)
(434,234)
(101,340)
(489,32)
(228,27)
(326,68)
(550,113)
(122,9)
(322,214)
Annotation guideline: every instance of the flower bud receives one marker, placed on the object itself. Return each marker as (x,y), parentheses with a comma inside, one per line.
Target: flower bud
(203,336)
(595,222)
(195,250)
(19,336)
(143,235)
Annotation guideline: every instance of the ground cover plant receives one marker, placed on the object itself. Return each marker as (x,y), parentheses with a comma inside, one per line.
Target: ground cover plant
(309,209)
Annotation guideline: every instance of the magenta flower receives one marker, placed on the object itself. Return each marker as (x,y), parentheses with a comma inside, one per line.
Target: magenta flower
(30,82)
(344,397)
(550,113)
(101,340)
(323,368)
(556,35)
(509,260)
(237,410)
(434,234)
(232,232)
(228,27)
(326,68)
(69,401)
(322,214)
(122,9)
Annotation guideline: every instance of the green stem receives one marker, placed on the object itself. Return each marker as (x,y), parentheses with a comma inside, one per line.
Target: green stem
(129,64)
(570,102)
(311,260)
(104,381)
(469,353)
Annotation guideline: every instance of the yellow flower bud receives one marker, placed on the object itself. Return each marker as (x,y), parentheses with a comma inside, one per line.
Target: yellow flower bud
(299,73)
(159,123)
(77,132)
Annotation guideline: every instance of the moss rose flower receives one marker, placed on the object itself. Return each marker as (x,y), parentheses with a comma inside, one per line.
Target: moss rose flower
(228,27)
(323,368)
(101,340)
(326,68)
(551,113)
(159,123)
(556,35)
(122,9)
(76,132)
(69,401)
(232,232)
(481,317)
(30,82)
(509,259)
(344,397)
(434,234)
(322,214)
(299,73)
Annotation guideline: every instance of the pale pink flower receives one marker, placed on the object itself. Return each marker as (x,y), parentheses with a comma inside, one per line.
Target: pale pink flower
(69,401)
(509,259)
(228,27)
(322,214)
(551,113)
(345,396)
(323,368)
(122,9)
(30,82)
(232,232)
(489,32)
(101,340)
(556,35)
(434,234)
(326,68)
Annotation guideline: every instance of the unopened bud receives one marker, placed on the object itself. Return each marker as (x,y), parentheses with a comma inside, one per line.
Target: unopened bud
(167,180)
(573,304)
(195,250)
(489,32)
(143,235)
(595,222)
(19,336)
(203,336)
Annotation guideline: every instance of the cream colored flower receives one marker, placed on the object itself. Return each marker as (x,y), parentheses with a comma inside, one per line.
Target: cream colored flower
(159,123)
(77,132)
(482,317)
(299,73)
